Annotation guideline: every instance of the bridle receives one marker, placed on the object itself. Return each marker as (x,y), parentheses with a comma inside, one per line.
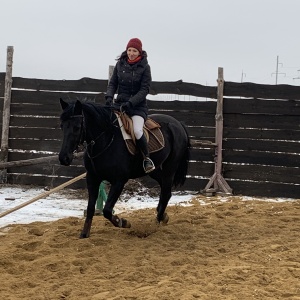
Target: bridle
(82,138)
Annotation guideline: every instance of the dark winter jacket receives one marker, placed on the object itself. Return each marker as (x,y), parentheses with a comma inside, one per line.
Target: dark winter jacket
(132,83)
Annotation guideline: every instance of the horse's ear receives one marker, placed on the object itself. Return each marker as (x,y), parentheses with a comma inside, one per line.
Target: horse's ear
(63,104)
(78,108)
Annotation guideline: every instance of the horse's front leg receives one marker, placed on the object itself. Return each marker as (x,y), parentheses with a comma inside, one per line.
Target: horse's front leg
(113,195)
(93,190)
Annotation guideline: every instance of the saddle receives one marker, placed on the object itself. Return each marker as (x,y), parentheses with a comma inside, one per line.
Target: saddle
(151,130)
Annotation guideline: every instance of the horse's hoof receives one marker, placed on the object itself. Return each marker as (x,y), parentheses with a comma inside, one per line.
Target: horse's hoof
(126,224)
(120,222)
(84,236)
(164,219)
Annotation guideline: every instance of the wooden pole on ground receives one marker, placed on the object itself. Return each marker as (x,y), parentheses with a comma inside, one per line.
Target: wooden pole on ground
(6,112)
(43,195)
(217,180)
(33,161)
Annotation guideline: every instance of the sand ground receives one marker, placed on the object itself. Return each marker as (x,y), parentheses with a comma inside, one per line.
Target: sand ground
(222,250)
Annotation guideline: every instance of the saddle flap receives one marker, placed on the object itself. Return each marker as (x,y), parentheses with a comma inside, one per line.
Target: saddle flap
(151,124)
(127,123)
(152,132)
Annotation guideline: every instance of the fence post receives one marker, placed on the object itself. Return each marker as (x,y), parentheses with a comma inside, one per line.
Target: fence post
(6,113)
(110,72)
(217,180)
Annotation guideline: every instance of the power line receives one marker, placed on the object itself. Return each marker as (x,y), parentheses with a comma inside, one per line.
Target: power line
(298,76)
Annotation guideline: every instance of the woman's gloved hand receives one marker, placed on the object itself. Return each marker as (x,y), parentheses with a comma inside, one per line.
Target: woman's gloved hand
(125,107)
(109,101)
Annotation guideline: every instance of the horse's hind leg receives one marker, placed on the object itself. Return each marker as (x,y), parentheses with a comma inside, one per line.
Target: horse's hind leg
(113,195)
(165,195)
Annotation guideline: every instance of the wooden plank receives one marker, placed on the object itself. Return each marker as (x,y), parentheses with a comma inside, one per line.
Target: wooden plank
(202,154)
(201,133)
(48,169)
(261,106)
(43,181)
(262,173)
(259,133)
(193,184)
(262,145)
(201,169)
(265,189)
(183,88)
(35,145)
(84,84)
(28,162)
(36,133)
(199,106)
(48,97)
(18,156)
(266,91)
(189,118)
(95,85)
(261,158)
(260,121)
(37,110)
(32,121)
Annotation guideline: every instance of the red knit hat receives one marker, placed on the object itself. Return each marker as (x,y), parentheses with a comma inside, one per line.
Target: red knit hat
(135,43)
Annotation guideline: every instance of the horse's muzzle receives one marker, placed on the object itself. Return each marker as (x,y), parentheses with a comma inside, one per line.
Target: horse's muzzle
(65,160)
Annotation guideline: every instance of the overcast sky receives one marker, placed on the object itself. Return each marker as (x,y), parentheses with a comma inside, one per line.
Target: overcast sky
(188,40)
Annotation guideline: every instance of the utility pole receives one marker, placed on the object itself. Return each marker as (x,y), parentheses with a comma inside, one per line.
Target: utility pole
(243,75)
(276,73)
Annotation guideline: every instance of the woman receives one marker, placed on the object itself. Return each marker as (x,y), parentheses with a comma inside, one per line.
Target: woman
(131,79)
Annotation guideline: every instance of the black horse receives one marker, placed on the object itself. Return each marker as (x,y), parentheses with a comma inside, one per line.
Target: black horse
(107,158)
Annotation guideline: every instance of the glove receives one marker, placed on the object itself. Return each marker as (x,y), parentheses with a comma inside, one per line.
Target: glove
(109,101)
(126,106)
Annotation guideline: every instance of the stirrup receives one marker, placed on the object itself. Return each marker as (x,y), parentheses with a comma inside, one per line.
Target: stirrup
(148,165)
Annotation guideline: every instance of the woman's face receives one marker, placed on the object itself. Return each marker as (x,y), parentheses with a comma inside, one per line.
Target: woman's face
(132,53)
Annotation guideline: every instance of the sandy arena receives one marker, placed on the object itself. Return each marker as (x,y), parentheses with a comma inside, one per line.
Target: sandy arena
(222,250)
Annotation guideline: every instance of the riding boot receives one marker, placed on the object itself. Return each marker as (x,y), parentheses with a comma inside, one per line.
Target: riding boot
(148,164)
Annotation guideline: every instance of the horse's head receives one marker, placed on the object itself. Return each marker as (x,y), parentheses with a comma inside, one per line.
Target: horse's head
(72,127)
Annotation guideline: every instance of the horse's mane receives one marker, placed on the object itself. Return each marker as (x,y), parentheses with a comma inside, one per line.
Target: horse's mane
(97,111)
(94,110)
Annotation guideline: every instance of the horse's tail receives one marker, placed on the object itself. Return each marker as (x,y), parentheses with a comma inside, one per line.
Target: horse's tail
(181,172)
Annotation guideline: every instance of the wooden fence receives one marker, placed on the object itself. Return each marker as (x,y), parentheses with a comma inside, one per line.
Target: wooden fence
(260,135)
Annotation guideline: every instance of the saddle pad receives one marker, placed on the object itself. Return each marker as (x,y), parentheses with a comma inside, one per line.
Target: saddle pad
(154,136)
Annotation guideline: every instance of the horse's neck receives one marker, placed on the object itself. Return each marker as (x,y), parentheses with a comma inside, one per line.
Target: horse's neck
(94,125)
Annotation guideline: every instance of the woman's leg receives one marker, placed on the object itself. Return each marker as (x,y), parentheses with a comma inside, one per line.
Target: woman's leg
(138,124)
(141,142)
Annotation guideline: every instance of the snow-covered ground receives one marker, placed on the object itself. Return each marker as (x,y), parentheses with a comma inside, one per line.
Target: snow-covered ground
(62,204)
(68,202)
